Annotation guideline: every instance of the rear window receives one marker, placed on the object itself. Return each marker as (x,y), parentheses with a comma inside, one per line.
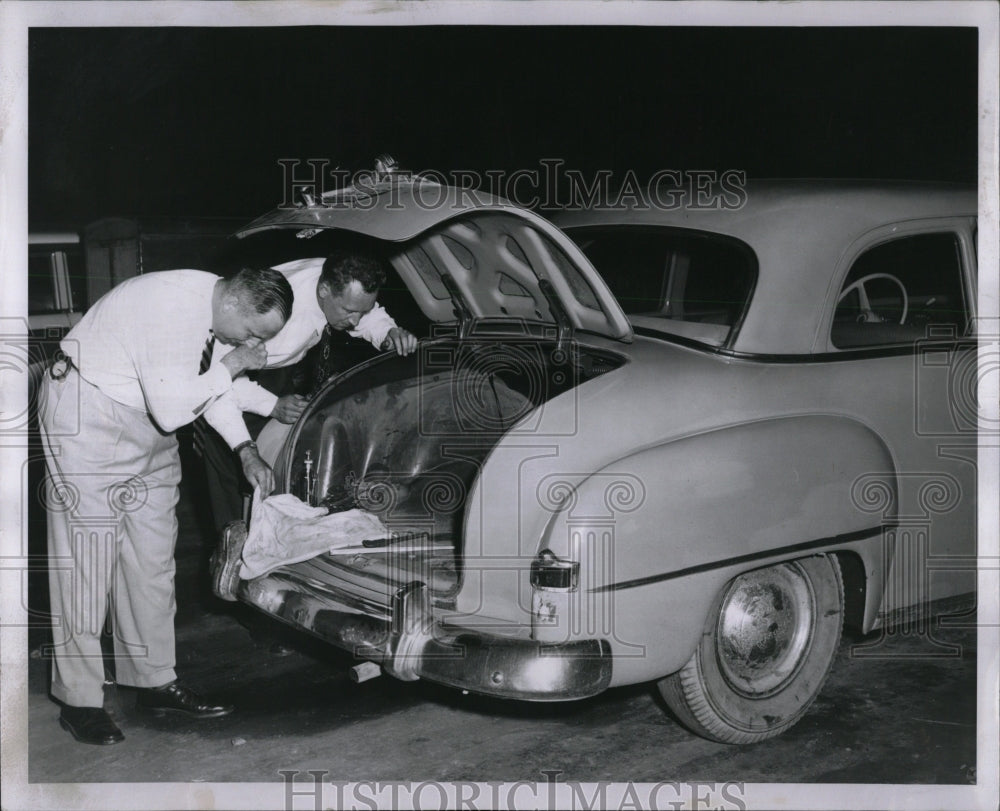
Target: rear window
(673,275)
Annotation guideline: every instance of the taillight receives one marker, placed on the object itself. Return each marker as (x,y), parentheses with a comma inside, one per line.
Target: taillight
(553,574)
(552,582)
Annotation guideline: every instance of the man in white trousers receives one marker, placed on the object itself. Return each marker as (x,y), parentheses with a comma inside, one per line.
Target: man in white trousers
(135,369)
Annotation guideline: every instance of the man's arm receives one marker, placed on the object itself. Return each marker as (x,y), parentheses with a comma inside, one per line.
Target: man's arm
(175,395)
(251,396)
(226,416)
(257,471)
(380,329)
(175,398)
(374,326)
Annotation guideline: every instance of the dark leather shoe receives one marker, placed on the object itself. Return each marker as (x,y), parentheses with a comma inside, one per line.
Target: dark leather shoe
(90,725)
(174,697)
(227,561)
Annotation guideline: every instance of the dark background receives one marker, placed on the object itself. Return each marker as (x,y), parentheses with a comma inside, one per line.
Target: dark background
(192,122)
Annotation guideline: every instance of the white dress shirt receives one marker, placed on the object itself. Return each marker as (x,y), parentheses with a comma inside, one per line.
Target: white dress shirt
(141,343)
(301,332)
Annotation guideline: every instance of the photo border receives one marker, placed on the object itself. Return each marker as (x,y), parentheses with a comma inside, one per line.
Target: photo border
(17,17)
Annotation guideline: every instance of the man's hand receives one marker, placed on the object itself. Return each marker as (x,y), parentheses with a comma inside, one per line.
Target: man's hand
(249,355)
(289,408)
(400,341)
(257,471)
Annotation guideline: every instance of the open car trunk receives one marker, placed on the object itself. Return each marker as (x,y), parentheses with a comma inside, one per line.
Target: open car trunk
(405,438)
(505,293)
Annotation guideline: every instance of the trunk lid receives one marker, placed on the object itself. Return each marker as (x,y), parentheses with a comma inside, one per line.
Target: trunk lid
(463,254)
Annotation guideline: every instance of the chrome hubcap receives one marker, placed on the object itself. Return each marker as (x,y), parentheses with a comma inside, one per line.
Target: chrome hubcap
(765,625)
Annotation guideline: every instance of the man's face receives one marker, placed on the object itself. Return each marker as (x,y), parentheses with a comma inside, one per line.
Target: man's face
(344,309)
(235,324)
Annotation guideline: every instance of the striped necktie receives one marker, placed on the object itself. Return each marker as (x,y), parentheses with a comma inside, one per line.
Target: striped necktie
(323,367)
(200,425)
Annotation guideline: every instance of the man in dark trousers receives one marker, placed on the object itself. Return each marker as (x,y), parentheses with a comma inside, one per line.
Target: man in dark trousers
(333,297)
(139,365)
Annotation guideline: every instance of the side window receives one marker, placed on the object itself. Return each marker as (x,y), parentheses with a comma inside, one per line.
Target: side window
(670,273)
(897,290)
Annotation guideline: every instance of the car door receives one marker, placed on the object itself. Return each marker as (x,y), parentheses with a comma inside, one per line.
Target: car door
(904,317)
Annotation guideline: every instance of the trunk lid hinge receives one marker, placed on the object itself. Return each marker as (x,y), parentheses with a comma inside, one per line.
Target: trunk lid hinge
(463,312)
(559,312)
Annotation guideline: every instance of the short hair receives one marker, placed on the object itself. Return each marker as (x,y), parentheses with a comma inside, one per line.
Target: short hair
(263,290)
(345,265)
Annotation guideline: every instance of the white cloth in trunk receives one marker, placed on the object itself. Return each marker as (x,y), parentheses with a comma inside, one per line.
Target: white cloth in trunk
(284,530)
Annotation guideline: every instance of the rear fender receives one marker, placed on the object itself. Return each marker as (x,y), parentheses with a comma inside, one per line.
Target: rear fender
(660,532)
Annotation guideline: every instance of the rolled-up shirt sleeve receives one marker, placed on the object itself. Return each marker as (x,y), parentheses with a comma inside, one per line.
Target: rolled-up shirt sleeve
(374,326)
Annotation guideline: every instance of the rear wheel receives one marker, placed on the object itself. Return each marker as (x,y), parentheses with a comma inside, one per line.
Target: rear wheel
(767,647)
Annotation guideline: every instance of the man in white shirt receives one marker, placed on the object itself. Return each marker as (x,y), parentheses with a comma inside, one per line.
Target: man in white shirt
(132,371)
(338,293)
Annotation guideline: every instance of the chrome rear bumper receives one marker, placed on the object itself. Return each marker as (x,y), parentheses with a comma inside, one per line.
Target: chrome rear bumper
(410,644)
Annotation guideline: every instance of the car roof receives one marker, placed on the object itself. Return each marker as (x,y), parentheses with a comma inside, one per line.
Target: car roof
(800,231)
(849,204)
